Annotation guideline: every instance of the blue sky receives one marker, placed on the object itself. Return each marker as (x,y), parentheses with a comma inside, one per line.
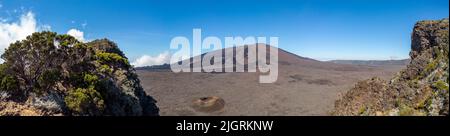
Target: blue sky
(319,29)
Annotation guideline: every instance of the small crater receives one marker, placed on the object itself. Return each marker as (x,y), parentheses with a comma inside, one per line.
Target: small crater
(209,104)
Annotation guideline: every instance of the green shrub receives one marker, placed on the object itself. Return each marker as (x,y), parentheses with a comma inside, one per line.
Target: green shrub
(105,69)
(48,79)
(90,79)
(406,111)
(441,85)
(431,66)
(414,83)
(104,57)
(84,101)
(362,110)
(9,84)
(66,40)
(3,68)
(83,80)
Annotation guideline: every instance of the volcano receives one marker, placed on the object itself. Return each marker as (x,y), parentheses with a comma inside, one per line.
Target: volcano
(304,87)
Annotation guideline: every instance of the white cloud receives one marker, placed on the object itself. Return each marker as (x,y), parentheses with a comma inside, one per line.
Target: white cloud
(13,31)
(77,34)
(147,60)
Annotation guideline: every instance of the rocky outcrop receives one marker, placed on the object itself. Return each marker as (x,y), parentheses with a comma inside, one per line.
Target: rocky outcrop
(127,97)
(421,89)
(68,77)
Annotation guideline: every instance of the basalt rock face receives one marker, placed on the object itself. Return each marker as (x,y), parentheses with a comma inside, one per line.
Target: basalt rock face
(420,89)
(65,77)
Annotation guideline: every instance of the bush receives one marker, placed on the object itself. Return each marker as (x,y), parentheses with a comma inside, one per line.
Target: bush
(48,79)
(9,84)
(83,80)
(441,85)
(66,40)
(37,54)
(414,83)
(105,45)
(84,102)
(111,58)
(406,111)
(90,79)
(431,66)
(105,69)
(362,110)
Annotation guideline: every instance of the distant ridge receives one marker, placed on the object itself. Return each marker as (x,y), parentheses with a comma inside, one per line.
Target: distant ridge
(163,68)
(372,62)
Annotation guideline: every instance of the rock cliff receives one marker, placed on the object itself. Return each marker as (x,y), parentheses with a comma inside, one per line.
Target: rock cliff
(420,89)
